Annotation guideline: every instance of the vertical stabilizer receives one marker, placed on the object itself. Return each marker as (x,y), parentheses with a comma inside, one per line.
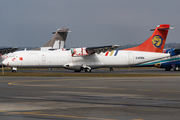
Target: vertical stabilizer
(58,40)
(156,42)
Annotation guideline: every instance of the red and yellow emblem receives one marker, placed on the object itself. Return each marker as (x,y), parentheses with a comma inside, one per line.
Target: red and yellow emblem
(157,41)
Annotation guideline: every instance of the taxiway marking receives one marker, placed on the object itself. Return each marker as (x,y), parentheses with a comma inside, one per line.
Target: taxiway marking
(39,113)
(18,83)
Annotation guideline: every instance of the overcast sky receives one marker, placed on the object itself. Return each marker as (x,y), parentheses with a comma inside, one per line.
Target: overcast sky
(94,22)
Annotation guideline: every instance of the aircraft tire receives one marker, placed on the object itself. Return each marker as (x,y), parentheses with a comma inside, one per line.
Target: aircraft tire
(176,69)
(88,70)
(111,69)
(167,69)
(13,70)
(77,70)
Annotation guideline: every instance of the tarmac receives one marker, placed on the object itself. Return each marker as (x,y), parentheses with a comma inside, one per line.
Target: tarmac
(91,98)
(107,71)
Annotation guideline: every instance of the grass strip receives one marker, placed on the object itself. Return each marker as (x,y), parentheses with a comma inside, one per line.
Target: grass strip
(18,74)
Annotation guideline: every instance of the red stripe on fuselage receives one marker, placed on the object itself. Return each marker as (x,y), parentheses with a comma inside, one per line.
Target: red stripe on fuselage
(107,53)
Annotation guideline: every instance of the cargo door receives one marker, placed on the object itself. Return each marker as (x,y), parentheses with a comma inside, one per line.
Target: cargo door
(130,58)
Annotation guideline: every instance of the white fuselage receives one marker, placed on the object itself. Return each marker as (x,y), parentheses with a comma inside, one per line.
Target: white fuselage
(64,59)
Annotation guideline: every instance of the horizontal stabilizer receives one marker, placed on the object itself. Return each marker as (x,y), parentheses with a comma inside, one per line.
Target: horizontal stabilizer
(170,28)
(62,32)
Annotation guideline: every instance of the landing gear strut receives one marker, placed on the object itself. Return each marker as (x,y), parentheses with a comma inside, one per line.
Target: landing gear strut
(111,69)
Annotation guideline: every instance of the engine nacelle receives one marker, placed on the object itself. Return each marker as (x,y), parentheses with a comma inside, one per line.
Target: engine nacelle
(75,52)
(72,66)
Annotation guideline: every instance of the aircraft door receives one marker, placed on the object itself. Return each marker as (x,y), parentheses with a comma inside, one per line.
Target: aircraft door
(43,58)
(130,58)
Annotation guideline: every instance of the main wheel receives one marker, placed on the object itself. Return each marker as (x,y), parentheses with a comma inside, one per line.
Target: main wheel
(111,69)
(13,70)
(176,69)
(88,70)
(167,69)
(77,71)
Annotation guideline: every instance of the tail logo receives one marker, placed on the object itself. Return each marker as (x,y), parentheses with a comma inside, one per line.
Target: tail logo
(157,41)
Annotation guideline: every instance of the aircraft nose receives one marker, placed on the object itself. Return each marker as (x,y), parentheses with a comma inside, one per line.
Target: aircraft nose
(5,62)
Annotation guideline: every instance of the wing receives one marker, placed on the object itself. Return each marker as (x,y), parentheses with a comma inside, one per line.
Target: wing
(8,50)
(103,49)
(91,50)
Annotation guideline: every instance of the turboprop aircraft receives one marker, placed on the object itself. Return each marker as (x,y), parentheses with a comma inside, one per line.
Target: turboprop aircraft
(88,58)
(172,62)
(168,63)
(57,42)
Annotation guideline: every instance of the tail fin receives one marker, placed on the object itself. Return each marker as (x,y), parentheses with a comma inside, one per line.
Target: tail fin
(58,40)
(156,42)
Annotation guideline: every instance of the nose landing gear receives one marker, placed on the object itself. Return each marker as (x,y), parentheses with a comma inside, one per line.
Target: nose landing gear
(13,69)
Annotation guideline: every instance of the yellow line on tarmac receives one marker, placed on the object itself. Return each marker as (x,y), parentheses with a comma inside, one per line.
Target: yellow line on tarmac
(137,119)
(52,115)
(168,91)
(60,115)
(19,83)
(98,88)
(74,117)
(16,83)
(144,90)
(99,118)
(30,113)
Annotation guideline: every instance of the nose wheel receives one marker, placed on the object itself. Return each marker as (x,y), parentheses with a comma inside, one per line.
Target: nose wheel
(13,69)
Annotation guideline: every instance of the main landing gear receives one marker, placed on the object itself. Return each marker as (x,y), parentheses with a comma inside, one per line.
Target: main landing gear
(87,70)
(77,70)
(176,68)
(111,69)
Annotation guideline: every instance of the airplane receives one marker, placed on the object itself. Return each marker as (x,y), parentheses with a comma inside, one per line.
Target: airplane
(57,42)
(168,63)
(88,58)
(172,62)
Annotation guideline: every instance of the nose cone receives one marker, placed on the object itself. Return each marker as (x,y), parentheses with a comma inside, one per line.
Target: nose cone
(5,62)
